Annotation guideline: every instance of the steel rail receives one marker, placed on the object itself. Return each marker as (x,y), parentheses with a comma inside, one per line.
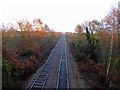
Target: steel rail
(41,78)
(62,81)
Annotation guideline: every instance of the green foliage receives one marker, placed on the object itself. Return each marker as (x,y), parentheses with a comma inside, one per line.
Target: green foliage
(93,45)
(6,67)
(86,45)
(6,75)
(11,70)
(19,72)
(97,46)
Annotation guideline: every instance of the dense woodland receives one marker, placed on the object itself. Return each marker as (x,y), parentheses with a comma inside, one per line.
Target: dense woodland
(24,51)
(96,49)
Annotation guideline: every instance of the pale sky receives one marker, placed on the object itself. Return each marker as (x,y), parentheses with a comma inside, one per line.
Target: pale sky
(61,15)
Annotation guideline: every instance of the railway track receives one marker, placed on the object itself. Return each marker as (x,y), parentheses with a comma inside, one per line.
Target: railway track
(42,77)
(40,81)
(63,69)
